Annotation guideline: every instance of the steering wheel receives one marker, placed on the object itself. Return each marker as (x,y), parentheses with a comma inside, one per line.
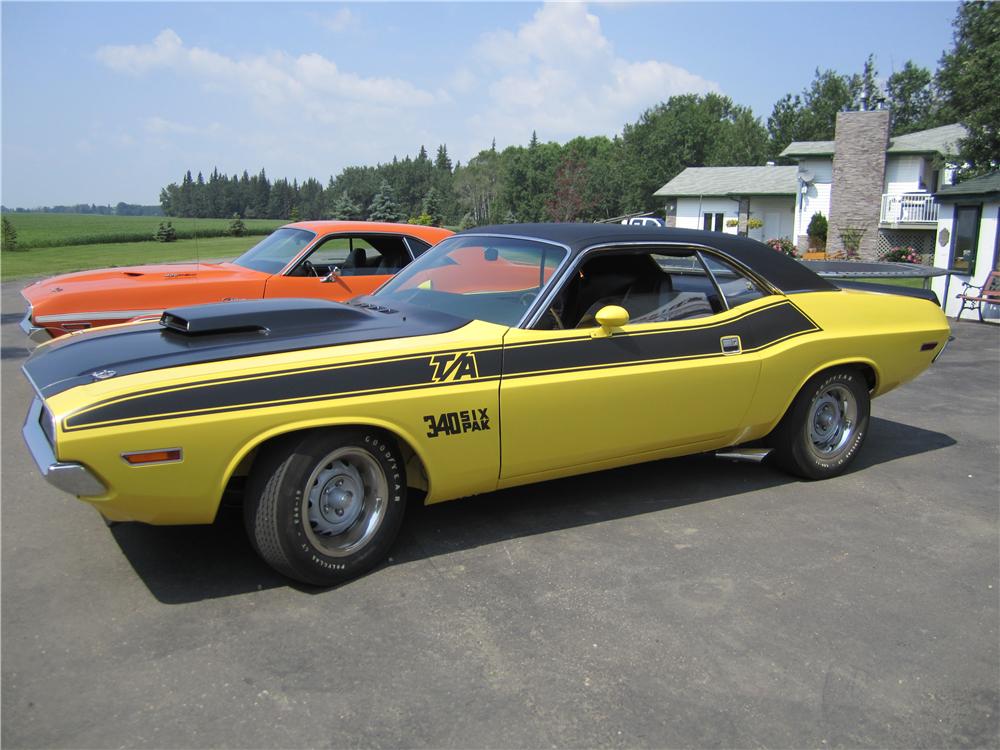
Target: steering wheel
(310,269)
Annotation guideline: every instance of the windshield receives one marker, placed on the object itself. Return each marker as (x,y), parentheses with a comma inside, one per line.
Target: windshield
(275,251)
(485,278)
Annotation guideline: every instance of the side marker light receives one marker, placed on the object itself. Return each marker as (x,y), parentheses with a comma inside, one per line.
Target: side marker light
(162,456)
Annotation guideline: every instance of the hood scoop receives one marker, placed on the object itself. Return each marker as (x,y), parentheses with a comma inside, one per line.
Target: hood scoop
(279,316)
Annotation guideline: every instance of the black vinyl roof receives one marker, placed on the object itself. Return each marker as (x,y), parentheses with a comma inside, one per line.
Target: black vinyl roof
(784,273)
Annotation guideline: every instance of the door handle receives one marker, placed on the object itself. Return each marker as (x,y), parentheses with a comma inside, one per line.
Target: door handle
(731,344)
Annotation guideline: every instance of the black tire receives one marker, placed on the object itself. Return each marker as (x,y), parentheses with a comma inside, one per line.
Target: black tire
(302,509)
(825,426)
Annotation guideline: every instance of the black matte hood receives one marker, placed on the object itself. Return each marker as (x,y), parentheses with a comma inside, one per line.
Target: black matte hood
(223,331)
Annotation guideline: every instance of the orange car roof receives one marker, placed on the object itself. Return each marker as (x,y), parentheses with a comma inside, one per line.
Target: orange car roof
(430,234)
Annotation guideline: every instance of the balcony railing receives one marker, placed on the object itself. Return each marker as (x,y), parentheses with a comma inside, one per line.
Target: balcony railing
(909,208)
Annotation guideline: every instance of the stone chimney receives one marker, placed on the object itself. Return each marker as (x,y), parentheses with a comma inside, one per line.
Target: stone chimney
(860,142)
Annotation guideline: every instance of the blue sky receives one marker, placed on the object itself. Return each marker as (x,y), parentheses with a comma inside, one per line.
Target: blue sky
(104,102)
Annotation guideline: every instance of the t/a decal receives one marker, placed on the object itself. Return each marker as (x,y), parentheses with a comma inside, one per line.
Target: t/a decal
(457,422)
(453,367)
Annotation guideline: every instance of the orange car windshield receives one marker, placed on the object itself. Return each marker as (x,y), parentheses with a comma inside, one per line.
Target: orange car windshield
(484,278)
(275,251)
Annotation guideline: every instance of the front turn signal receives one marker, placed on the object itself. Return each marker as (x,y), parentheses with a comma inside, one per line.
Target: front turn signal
(161,456)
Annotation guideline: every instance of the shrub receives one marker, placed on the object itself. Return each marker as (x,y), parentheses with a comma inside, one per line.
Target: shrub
(783,245)
(9,236)
(817,228)
(165,232)
(236,227)
(467,222)
(903,255)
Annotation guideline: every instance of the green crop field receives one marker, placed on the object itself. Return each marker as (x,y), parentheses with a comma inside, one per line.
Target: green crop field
(49,261)
(39,230)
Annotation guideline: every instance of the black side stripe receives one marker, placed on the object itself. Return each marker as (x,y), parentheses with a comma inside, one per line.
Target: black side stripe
(311,384)
(757,329)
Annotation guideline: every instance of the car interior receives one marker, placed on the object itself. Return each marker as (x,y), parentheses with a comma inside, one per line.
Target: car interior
(357,255)
(652,287)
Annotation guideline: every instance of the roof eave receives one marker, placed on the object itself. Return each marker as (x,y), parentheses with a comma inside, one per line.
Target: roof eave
(985,197)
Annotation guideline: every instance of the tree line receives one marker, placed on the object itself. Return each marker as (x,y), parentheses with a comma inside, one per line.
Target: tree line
(119,209)
(594,178)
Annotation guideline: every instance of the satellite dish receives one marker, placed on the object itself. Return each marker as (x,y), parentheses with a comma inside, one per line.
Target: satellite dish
(806,175)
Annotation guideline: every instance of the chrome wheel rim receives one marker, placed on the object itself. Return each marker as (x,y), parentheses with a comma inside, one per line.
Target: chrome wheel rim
(344,501)
(833,420)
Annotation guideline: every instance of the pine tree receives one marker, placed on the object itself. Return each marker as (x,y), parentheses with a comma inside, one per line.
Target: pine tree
(165,232)
(345,209)
(236,227)
(432,207)
(442,161)
(383,207)
(9,236)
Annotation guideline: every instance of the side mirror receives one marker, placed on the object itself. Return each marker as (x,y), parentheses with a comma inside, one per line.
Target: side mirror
(332,276)
(610,318)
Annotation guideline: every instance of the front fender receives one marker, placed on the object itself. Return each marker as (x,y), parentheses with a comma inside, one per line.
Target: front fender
(251,445)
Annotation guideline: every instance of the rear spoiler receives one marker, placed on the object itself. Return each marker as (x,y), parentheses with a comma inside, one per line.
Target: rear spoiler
(902,291)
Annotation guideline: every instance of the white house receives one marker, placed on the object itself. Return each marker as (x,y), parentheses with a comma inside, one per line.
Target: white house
(711,198)
(912,168)
(968,232)
(861,179)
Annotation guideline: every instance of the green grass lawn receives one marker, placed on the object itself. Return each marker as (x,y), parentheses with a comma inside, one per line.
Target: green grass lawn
(915,283)
(37,230)
(50,261)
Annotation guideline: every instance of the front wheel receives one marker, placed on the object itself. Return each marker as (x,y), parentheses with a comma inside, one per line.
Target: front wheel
(825,426)
(323,506)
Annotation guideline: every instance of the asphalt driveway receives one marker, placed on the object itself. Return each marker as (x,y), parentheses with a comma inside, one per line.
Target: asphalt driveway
(684,603)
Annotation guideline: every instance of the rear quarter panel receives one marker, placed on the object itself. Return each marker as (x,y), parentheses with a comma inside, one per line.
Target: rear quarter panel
(883,331)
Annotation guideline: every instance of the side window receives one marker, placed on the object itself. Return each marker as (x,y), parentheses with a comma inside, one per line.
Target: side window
(417,247)
(354,256)
(333,252)
(737,288)
(652,287)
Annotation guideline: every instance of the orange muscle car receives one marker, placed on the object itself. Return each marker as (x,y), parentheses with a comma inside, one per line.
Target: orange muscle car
(334,260)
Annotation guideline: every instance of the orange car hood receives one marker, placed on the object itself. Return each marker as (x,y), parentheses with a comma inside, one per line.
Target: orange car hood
(152,287)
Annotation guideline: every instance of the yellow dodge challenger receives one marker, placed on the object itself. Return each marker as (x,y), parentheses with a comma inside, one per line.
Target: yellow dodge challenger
(502,356)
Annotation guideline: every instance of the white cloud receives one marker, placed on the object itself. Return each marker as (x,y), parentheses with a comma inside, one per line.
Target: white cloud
(343,20)
(137,59)
(558,73)
(270,80)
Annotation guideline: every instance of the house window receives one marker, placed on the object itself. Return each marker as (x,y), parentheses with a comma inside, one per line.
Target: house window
(965,239)
(712,222)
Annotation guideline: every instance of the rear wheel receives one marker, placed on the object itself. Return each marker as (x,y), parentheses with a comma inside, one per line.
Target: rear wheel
(825,426)
(325,506)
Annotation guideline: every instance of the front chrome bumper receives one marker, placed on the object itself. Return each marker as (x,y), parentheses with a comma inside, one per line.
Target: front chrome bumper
(33,332)
(74,478)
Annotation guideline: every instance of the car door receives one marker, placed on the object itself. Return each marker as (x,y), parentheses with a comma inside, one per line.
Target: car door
(579,398)
(342,267)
